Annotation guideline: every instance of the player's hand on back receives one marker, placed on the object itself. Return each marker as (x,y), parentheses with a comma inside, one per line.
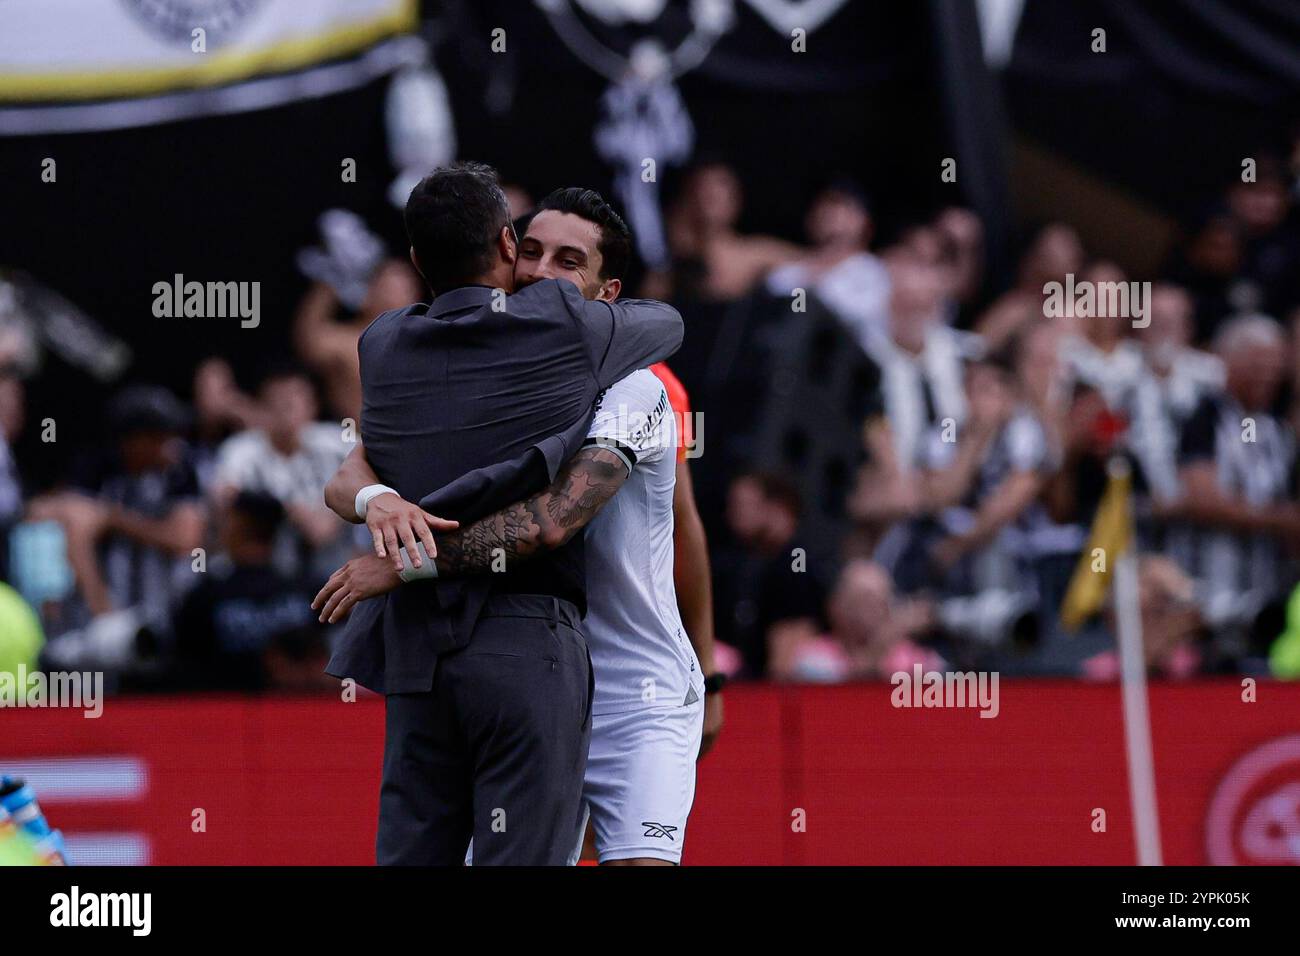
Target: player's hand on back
(395,523)
(361,578)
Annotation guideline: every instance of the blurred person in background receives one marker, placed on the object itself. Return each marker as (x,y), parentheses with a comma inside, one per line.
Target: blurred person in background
(244,617)
(519,200)
(711,260)
(329,347)
(1055,252)
(1103,357)
(1270,232)
(962,234)
(1175,377)
(1208,265)
(840,270)
(221,408)
(13,413)
(871,635)
(766,574)
(290,458)
(980,484)
(1237,514)
(920,358)
(136,518)
(1171,625)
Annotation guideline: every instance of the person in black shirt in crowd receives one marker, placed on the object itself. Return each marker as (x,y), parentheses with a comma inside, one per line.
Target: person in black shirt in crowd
(245,625)
(770,574)
(12,413)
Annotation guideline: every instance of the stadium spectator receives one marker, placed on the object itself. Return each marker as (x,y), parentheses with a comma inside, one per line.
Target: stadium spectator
(768,574)
(1054,253)
(980,485)
(1174,378)
(220,410)
(839,269)
(329,347)
(520,201)
(1171,625)
(1208,266)
(712,261)
(12,416)
(920,358)
(1270,232)
(290,458)
(870,637)
(962,234)
(1103,358)
(239,623)
(1237,513)
(137,516)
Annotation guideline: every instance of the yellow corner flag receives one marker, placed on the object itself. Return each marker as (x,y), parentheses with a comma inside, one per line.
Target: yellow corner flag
(1112,535)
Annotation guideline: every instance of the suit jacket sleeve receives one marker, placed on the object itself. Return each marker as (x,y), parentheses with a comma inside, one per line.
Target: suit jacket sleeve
(625,335)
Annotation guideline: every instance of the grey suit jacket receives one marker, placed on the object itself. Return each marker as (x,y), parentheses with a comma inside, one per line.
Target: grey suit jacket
(485,406)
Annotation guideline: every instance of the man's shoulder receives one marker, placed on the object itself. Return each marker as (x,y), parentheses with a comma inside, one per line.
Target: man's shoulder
(555,298)
(640,391)
(387,322)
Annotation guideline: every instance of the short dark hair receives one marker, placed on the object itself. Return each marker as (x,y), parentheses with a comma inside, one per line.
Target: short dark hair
(453,218)
(778,487)
(284,369)
(615,237)
(262,513)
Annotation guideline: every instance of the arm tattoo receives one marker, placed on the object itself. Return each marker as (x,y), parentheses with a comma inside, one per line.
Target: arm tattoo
(543,522)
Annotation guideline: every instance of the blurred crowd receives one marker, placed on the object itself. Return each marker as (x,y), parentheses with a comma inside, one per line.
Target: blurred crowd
(183,552)
(990,429)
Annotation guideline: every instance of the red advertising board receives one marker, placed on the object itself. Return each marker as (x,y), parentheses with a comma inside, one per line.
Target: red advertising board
(802,775)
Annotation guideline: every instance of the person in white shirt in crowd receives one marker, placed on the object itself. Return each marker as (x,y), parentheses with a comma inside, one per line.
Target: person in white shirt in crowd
(840,271)
(290,458)
(1102,356)
(920,358)
(1175,377)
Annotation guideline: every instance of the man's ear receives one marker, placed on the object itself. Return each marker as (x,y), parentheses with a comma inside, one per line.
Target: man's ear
(508,245)
(416,262)
(609,290)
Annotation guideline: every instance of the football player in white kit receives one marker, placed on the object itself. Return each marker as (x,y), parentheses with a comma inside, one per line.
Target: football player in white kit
(649,700)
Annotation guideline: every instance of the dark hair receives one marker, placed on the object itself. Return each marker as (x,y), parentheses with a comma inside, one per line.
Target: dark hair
(282,369)
(777,487)
(453,218)
(615,237)
(263,514)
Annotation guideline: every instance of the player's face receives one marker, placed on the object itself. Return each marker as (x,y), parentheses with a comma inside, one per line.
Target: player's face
(560,245)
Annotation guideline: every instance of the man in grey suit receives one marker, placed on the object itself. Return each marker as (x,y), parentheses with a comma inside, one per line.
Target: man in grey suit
(484,395)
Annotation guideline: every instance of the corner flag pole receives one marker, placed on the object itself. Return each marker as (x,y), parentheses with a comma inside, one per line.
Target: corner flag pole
(1133,681)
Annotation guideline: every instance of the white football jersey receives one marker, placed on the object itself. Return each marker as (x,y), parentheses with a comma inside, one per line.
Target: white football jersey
(639,649)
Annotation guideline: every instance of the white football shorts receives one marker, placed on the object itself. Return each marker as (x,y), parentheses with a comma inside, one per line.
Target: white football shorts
(640,782)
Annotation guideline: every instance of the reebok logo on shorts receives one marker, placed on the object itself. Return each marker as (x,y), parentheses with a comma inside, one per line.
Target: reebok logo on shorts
(659,830)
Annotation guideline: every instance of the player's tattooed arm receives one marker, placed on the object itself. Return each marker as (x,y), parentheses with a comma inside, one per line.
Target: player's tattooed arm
(543,522)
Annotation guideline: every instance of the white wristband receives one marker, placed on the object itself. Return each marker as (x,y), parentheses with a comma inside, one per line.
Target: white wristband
(365,495)
(410,572)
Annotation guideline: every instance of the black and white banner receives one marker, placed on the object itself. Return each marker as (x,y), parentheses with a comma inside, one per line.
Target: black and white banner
(70,65)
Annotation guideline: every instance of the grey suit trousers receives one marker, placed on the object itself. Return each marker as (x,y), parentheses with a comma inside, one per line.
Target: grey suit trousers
(497,749)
